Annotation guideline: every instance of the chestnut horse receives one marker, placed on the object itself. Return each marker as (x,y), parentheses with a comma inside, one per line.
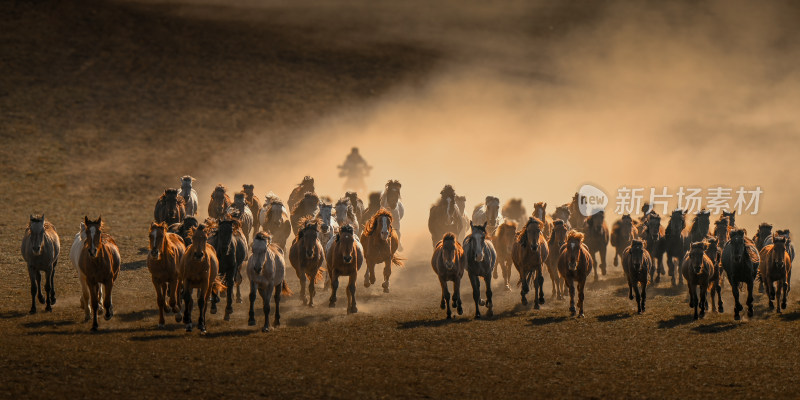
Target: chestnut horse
(740,260)
(266,270)
(100,263)
(575,264)
(198,269)
(220,202)
(698,269)
(274,219)
(622,233)
(540,212)
(514,210)
(596,234)
(715,281)
(170,207)
(505,235)
(74,257)
(448,263)
(307,255)
(444,215)
(344,257)
(557,239)
(380,243)
(636,263)
(530,252)
(776,270)
(40,249)
(189,195)
(480,259)
(307,207)
(166,250)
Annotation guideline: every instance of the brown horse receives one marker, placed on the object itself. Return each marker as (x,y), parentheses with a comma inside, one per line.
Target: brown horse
(219,203)
(358,209)
(307,255)
(714,253)
(306,207)
(166,250)
(540,212)
(184,229)
(722,231)
(514,210)
(701,223)
(344,258)
(576,219)
(776,268)
(277,223)
(530,253)
(380,246)
(374,204)
(170,207)
(697,269)
(448,263)
(99,262)
(575,264)
(562,212)
(557,239)
(622,234)
(636,263)
(596,232)
(731,216)
(306,186)
(505,235)
(252,202)
(40,249)
(198,269)
(653,236)
(445,216)
(764,232)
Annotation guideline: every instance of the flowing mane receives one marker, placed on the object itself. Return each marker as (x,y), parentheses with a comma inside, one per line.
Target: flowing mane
(393,185)
(371,224)
(522,236)
(302,202)
(451,236)
(573,234)
(306,219)
(169,193)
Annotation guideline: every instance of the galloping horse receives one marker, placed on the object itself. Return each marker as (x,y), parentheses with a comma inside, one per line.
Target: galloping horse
(344,257)
(170,207)
(636,263)
(275,220)
(701,223)
(307,255)
(675,244)
(231,250)
(306,186)
(783,233)
(722,231)
(540,212)
(514,210)
(74,258)
(252,203)
(731,216)
(596,232)
(444,215)
(166,250)
(653,235)
(576,219)
(380,243)
(329,225)
(715,280)
(698,269)
(764,232)
(505,235)
(345,213)
(575,264)
(390,199)
(220,202)
(198,269)
(562,212)
(40,249)
(622,234)
(448,263)
(184,229)
(245,217)
(100,264)
(480,257)
(266,270)
(358,208)
(530,252)
(776,268)
(307,207)
(189,195)
(740,260)
(374,206)
(557,239)
(488,212)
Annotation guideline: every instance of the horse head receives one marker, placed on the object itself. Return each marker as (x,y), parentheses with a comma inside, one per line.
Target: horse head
(449,250)
(637,255)
(559,231)
(477,237)
(696,254)
(731,216)
(539,210)
(392,193)
(158,232)
(702,220)
(574,243)
(225,230)
(346,239)
(326,216)
(186,184)
(533,230)
(248,190)
(677,220)
(36,225)
(492,209)
(199,239)
(218,198)
(764,231)
(721,228)
(93,233)
(779,251)
(308,237)
(344,209)
(384,221)
(374,200)
(653,226)
(737,245)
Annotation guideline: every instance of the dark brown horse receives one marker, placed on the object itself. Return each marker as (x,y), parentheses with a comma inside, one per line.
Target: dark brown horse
(448,263)
(374,205)
(653,236)
(219,203)
(306,186)
(277,223)
(636,263)
(380,243)
(714,253)
(198,269)
(184,229)
(698,269)
(557,239)
(530,253)
(445,216)
(344,258)
(358,210)
(307,255)
(731,216)
(701,223)
(100,263)
(166,250)
(307,207)
(503,244)
(675,244)
(480,259)
(562,212)
(575,264)
(576,219)
(514,210)
(622,234)
(776,271)
(40,249)
(722,231)
(170,207)
(540,212)
(596,241)
(764,232)
(740,260)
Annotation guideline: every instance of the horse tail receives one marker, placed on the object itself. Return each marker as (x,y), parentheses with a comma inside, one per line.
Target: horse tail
(285,289)
(398,261)
(217,286)
(318,278)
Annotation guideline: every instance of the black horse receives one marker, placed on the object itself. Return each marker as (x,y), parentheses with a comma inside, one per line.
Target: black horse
(740,260)
(675,244)
(231,248)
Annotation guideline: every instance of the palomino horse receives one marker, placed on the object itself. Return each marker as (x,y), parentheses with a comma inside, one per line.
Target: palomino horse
(636,263)
(576,219)
(596,232)
(166,250)
(374,206)
(358,208)
(100,262)
(575,264)
(505,235)
(698,269)
(252,202)
(40,248)
(307,207)
(220,202)
(448,263)
(653,236)
(184,229)
(675,244)
(230,246)
(306,186)
(198,269)
(390,199)
(274,219)
(622,233)
(245,217)
(189,195)
(716,278)
(170,207)
(380,243)
(514,210)
(557,239)
(74,258)
(266,270)
(346,214)
(329,225)
(307,255)
(344,257)
(562,212)
(740,260)
(701,223)
(488,212)
(540,213)
(530,252)
(776,268)
(480,258)
(444,215)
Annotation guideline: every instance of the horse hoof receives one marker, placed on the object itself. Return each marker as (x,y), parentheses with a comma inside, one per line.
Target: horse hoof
(783,306)
(108,316)
(750,312)
(238,300)
(630,297)
(40,298)
(265,329)
(366,282)
(227,317)
(482,302)
(310,305)
(449,316)
(386,290)
(372,279)
(771,306)
(48,308)
(616,262)
(535,306)
(167,310)
(94,328)
(251,322)
(524,301)
(188,327)
(32,311)
(100,309)
(53,300)
(203,330)
(442,305)
(541,300)
(508,287)
(353,310)
(86,318)
(332,304)
(489,313)
(178,317)
(581,315)
(213,310)
(736,317)
(477,316)
(720,310)
(460,310)
(160,326)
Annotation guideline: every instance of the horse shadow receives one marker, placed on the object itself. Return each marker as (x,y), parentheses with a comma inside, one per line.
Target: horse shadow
(12,314)
(792,316)
(613,317)
(100,331)
(234,333)
(308,320)
(154,338)
(666,291)
(142,251)
(547,320)
(431,323)
(134,316)
(47,323)
(716,327)
(133,265)
(513,312)
(677,320)
(606,283)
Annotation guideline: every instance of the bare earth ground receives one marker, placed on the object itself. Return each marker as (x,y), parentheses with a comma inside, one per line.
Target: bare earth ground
(89,94)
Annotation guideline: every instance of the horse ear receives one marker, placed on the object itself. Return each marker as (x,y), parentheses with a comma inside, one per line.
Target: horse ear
(85,220)
(42,216)
(484,225)
(100,219)
(30,217)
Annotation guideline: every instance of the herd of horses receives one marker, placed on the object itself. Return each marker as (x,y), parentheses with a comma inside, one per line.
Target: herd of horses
(334,239)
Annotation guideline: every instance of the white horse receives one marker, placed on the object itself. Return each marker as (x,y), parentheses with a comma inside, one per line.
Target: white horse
(391,200)
(345,213)
(330,227)
(488,213)
(74,257)
(189,195)
(266,269)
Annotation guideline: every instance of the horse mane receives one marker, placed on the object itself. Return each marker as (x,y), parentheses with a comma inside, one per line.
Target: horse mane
(370,227)
(573,234)
(350,207)
(522,236)
(38,218)
(764,225)
(264,236)
(301,203)
(306,180)
(178,198)
(187,178)
(221,188)
(451,236)
(393,184)
(306,219)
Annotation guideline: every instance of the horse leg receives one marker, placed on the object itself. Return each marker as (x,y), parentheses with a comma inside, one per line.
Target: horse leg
(266,293)
(85,297)
(387,272)
(230,281)
(351,293)
(445,303)
(302,278)
(525,288)
(49,287)
(174,301)
(39,295)
(507,274)
(159,301)
(536,289)
(32,275)
(635,288)
(370,267)
(203,294)
(187,304)
(738,305)
(703,301)
(718,285)
(671,267)
(540,282)
(334,279)
(571,286)
(488,281)
(494,271)
(581,286)
(770,293)
(94,289)
(750,298)
(251,320)
(238,280)
(603,250)
(109,285)
(476,294)
(785,286)
(312,291)
(644,294)
(594,264)
(277,296)
(616,256)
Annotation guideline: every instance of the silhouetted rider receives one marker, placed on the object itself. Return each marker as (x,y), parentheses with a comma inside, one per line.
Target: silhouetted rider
(354,169)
